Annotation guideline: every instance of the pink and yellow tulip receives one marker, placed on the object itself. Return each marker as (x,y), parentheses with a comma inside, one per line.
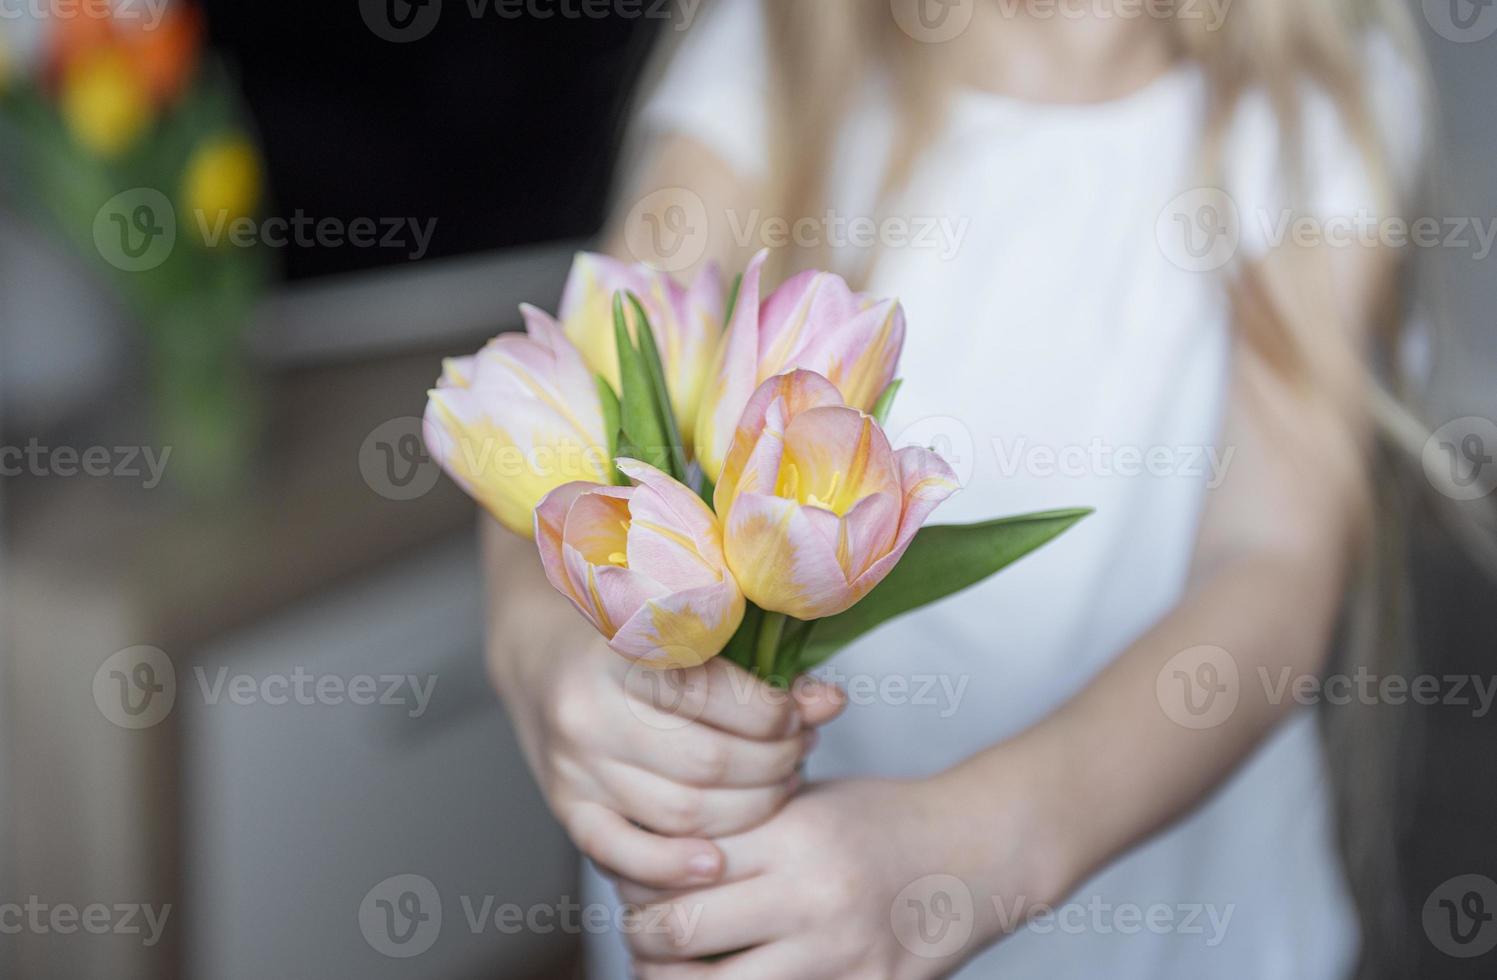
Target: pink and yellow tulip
(814,322)
(644,564)
(686,322)
(816,507)
(517,420)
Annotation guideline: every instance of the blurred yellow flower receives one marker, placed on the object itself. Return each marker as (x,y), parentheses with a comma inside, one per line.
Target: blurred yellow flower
(105,103)
(221,185)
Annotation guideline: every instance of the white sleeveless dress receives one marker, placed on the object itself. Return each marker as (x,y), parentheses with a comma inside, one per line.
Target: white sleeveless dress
(1064,350)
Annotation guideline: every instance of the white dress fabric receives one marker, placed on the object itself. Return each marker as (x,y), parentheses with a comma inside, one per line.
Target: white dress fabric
(1061,353)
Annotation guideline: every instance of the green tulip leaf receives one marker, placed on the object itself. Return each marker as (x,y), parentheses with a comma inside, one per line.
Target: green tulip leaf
(942,560)
(610,404)
(732,300)
(656,370)
(885,401)
(639,413)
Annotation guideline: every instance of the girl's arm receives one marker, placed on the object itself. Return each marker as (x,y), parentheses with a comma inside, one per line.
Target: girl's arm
(1127,755)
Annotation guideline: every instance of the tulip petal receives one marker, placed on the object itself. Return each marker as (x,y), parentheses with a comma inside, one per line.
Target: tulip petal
(806,306)
(735,375)
(682,629)
(607,595)
(869,530)
(753,459)
(835,456)
(663,501)
(925,481)
(550,519)
(782,562)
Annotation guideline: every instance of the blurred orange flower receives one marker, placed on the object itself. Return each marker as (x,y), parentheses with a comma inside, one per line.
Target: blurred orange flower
(161,52)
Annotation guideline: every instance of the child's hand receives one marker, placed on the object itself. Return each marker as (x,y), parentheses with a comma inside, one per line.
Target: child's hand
(641,766)
(854,878)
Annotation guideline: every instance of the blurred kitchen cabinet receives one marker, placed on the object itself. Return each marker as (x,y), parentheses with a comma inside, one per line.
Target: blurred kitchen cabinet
(369,840)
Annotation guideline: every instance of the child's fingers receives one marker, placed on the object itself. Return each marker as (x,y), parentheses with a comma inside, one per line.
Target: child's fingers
(669,807)
(627,851)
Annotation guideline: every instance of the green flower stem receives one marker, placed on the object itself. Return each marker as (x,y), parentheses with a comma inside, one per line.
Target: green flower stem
(767,648)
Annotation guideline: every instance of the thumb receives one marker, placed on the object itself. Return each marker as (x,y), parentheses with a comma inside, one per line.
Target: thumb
(819,702)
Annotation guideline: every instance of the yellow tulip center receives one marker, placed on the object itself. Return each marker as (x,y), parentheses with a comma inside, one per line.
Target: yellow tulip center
(793,486)
(620,558)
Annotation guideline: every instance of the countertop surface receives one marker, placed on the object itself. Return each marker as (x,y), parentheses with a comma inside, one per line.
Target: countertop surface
(337,486)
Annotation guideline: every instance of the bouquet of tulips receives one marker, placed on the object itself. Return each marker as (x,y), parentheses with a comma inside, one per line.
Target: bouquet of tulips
(706,473)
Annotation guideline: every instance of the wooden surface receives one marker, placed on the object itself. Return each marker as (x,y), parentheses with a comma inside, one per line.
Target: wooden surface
(304,519)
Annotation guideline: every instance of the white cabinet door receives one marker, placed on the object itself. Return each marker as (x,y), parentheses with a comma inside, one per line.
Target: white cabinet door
(341,823)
